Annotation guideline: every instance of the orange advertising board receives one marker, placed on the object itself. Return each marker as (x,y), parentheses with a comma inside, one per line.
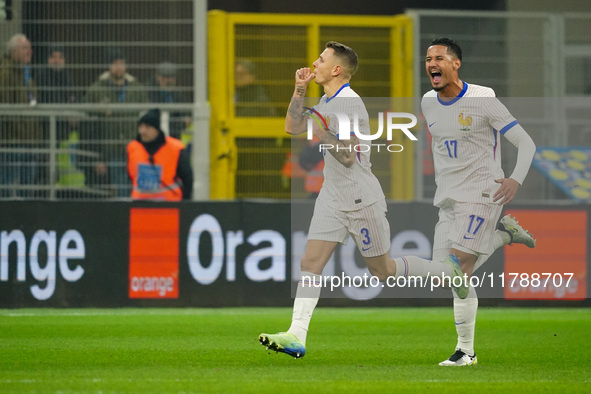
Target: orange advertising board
(557,267)
(154,253)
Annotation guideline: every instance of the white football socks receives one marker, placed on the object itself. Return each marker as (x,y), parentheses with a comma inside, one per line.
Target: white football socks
(501,238)
(308,293)
(465,310)
(416,266)
(307,296)
(465,319)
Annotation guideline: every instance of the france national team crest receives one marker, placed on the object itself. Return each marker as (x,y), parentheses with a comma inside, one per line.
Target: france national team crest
(465,122)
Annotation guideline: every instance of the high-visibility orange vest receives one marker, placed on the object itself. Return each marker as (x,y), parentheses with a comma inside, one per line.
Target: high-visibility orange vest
(154,180)
(291,167)
(315,178)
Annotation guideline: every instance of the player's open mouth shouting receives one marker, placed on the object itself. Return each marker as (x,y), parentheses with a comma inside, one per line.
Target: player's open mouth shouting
(436,76)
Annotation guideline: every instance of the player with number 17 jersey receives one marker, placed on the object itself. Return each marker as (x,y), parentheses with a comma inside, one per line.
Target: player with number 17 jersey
(466,145)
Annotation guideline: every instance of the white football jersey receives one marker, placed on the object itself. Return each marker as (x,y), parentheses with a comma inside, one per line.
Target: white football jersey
(466,147)
(348,189)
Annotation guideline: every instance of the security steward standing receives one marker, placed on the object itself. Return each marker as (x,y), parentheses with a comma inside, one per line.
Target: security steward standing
(158,166)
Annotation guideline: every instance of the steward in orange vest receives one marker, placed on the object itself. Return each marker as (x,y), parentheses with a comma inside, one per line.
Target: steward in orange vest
(312,160)
(158,166)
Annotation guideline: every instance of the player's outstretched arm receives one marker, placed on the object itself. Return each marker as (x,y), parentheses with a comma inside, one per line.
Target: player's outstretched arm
(295,122)
(526,149)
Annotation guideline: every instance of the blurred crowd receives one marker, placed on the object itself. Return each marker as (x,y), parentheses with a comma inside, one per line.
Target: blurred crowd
(91,149)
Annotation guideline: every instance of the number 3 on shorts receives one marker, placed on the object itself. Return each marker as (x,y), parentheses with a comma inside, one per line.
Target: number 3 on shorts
(365,233)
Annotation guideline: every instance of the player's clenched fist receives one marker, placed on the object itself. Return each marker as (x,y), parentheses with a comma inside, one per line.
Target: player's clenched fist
(304,76)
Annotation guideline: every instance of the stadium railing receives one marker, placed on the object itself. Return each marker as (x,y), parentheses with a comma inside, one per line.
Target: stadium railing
(82,150)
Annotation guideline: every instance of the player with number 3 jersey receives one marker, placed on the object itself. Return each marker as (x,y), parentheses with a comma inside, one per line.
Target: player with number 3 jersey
(351,201)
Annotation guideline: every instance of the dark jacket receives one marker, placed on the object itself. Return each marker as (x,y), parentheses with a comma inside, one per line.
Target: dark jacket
(155,95)
(104,91)
(13,91)
(55,86)
(111,132)
(252,100)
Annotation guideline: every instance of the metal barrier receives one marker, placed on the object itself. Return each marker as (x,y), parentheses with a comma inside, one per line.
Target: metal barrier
(89,33)
(518,54)
(249,145)
(149,51)
(79,151)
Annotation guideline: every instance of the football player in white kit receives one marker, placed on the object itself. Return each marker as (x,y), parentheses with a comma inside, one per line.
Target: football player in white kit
(351,200)
(466,122)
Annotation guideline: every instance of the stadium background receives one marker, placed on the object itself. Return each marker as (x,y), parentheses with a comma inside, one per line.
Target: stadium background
(538,50)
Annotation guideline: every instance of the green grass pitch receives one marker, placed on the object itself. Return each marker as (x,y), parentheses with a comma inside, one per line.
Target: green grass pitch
(368,350)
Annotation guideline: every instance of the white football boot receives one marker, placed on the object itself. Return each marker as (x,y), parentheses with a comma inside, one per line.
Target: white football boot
(518,234)
(460,359)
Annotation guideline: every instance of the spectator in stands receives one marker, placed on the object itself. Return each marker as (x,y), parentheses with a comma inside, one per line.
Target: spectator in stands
(18,134)
(162,89)
(161,86)
(110,131)
(116,85)
(158,166)
(55,82)
(251,98)
(56,86)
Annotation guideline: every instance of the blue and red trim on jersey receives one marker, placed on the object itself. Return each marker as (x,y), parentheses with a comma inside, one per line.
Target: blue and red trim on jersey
(502,131)
(337,93)
(495,145)
(462,93)
(508,127)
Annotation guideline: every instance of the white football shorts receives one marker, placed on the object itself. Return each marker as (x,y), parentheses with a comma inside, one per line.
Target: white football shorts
(470,225)
(368,226)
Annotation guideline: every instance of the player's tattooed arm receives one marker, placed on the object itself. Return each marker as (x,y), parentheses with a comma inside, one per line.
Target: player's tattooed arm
(295,121)
(296,109)
(342,150)
(300,90)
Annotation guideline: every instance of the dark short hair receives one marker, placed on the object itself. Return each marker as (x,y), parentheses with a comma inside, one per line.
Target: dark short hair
(113,54)
(451,45)
(347,54)
(56,48)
